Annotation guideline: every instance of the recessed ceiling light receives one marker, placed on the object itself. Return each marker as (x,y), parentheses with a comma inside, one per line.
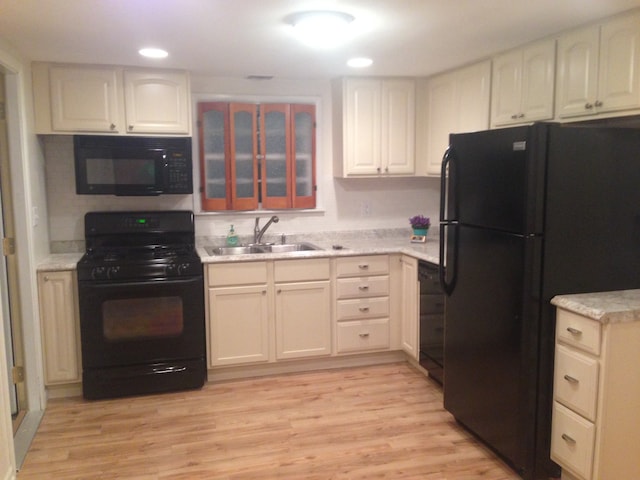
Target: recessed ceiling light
(321,29)
(359,62)
(153,52)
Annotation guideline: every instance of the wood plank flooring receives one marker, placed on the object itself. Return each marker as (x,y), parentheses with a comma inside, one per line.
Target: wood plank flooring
(380,422)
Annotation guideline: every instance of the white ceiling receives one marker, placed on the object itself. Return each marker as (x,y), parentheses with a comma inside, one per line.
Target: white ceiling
(236,38)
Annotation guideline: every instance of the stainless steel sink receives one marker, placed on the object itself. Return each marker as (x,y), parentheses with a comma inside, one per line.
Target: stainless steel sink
(262,248)
(239,250)
(291,247)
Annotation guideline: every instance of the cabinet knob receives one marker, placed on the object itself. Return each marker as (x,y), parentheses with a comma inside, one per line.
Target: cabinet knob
(279,291)
(514,116)
(568,439)
(588,106)
(386,169)
(598,103)
(364,309)
(363,335)
(363,266)
(378,169)
(363,288)
(112,126)
(571,379)
(46,278)
(130,127)
(521,115)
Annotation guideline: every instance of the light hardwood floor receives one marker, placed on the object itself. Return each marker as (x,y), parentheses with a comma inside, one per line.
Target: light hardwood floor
(380,422)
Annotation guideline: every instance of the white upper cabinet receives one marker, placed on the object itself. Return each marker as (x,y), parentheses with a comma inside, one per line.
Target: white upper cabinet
(106,99)
(454,102)
(599,69)
(522,85)
(84,99)
(374,127)
(156,101)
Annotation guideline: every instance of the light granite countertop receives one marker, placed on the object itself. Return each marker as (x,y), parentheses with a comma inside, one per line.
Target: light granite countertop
(367,242)
(606,307)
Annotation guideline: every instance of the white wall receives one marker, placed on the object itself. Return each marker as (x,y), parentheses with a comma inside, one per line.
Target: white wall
(341,202)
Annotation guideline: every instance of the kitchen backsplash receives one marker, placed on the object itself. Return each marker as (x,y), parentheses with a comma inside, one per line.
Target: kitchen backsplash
(344,204)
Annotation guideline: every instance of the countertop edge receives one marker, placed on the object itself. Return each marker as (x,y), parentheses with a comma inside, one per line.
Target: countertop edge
(619,306)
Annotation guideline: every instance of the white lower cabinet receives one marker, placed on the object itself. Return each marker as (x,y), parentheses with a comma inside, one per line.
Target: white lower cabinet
(596,409)
(362,304)
(409,311)
(302,308)
(238,313)
(253,306)
(60,325)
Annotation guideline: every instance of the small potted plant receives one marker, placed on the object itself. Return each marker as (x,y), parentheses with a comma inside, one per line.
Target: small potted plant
(420,224)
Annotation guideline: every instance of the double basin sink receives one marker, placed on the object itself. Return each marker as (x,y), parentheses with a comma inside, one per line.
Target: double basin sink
(262,248)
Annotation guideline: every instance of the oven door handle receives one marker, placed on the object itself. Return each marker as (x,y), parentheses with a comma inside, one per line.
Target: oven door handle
(146,283)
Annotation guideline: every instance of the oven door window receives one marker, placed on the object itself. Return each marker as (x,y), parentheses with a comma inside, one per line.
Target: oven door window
(140,318)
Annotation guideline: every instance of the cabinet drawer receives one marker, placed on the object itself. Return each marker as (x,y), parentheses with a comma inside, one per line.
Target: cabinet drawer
(362,287)
(578,331)
(363,335)
(576,381)
(363,308)
(572,441)
(301,270)
(238,273)
(362,265)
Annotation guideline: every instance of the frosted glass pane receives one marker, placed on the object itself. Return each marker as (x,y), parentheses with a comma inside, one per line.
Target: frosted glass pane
(303,142)
(276,154)
(215,166)
(243,124)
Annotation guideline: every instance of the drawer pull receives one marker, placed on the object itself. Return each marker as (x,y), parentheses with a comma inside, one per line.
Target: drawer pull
(363,288)
(364,335)
(568,439)
(364,309)
(571,379)
(574,331)
(363,266)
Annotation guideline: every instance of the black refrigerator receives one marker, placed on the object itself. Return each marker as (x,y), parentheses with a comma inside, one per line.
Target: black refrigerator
(528,213)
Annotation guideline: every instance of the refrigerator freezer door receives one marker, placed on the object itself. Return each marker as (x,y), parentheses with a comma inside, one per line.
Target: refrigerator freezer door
(490,337)
(495,179)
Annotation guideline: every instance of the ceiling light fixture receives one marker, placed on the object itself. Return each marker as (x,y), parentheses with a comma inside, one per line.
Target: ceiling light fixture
(321,29)
(359,62)
(153,52)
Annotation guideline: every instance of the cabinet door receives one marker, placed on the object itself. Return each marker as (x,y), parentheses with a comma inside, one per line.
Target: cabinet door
(473,91)
(577,73)
(276,152)
(440,118)
(303,319)
(507,89)
(410,312)
(84,99)
(619,72)
(304,155)
(238,325)
(156,102)
(59,322)
(398,127)
(243,155)
(214,149)
(538,69)
(362,126)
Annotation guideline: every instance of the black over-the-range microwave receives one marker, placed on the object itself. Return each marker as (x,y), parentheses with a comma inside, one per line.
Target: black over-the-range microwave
(132,165)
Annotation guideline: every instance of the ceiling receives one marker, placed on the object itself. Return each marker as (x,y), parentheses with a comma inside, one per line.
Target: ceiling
(237,38)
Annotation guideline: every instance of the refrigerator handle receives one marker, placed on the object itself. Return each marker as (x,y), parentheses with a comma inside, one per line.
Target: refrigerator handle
(448,286)
(446,159)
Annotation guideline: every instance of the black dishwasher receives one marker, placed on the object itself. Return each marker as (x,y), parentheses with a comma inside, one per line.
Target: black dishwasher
(431,321)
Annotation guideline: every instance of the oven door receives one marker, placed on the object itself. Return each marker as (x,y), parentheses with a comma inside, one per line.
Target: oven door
(133,323)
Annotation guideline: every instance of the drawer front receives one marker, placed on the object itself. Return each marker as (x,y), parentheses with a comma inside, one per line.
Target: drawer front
(578,331)
(572,441)
(575,382)
(301,270)
(362,308)
(362,287)
(238,273)
(363,335)
(362,265)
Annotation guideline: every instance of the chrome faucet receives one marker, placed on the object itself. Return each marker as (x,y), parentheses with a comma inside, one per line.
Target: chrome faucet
(257,233)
